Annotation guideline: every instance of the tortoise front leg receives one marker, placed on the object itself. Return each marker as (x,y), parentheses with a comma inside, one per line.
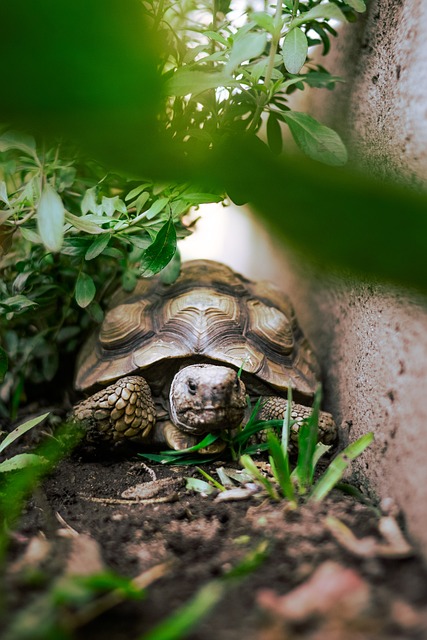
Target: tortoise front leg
(124,410)
(274,408)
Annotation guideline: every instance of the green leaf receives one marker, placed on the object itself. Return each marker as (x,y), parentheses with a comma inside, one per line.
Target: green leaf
(170,273)
(274,133)
(3,193)
(85,290)
(30,235)
(97,246)
(20,430)
(357,5)
(135,192)
(18,302)
(18,140)
(20,461)
(281,465)
(141,200)
(213,35)
(328,11)
(181,622)
(4,363)
(110,205)
(185,82)
(50,219)
(194,484)
(295,50)
(249,46)
(95,312)
(336,469)
(82,223)
(195,199)
(160,252)
(156,207)
(247,462)
(263,20)
(315,139)
(307,441)
(90,202)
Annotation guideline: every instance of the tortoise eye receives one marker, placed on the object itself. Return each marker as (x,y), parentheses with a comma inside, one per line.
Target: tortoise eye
(192,386)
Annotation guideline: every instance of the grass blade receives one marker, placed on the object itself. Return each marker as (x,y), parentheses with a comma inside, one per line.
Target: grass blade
(181,622)
(286,428)
(20,430)
(335,471)
(307,441)
(250,466)
(281,465)
(210,479)
(176,457)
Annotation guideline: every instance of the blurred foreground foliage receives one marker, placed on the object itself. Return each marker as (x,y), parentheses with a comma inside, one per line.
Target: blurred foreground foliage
(164,104)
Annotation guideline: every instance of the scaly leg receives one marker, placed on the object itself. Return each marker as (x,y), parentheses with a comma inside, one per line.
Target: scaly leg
(274,407)
(122,411)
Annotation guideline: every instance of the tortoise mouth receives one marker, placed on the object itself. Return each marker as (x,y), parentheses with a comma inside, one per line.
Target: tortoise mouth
(206,420)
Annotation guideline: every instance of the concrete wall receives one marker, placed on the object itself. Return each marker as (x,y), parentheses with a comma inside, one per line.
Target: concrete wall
(372,340)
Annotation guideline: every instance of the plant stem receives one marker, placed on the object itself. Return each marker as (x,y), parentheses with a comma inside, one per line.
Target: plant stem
(263,99)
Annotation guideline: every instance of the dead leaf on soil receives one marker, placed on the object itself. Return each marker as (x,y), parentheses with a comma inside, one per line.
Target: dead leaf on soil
(395,545)
(84,558)
(35,553)
(332,590)
(238,493)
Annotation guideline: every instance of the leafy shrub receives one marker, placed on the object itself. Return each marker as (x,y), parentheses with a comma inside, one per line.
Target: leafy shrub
(71,231)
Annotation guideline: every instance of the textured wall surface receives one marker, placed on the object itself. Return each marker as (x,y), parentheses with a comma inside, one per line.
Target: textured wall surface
(372,340)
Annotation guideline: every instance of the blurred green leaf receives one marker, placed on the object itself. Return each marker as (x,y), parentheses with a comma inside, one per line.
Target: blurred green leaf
(3,363)
(341,218)
(186,81)
(3,193)
(327,11)
(314,139)
(20,430)
(295,50)
(18,140)
(85,290)
(20,461)
(50,219)
(274,133)
(84,68)
(357,5)
(160,252)
(263,20)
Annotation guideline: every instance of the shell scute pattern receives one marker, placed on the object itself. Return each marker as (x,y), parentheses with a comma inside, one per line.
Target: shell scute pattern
(210,312)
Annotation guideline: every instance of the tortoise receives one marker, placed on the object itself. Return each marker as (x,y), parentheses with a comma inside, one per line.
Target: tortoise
(176,361)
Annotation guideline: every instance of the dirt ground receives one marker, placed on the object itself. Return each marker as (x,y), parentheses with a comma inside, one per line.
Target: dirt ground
(312,584)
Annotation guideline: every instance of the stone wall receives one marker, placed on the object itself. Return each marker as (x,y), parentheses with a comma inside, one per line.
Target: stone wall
(372,339)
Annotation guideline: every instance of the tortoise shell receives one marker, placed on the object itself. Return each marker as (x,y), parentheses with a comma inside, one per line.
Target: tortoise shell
(209,313)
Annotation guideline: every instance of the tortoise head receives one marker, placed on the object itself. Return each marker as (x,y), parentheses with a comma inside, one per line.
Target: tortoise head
(207,397)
